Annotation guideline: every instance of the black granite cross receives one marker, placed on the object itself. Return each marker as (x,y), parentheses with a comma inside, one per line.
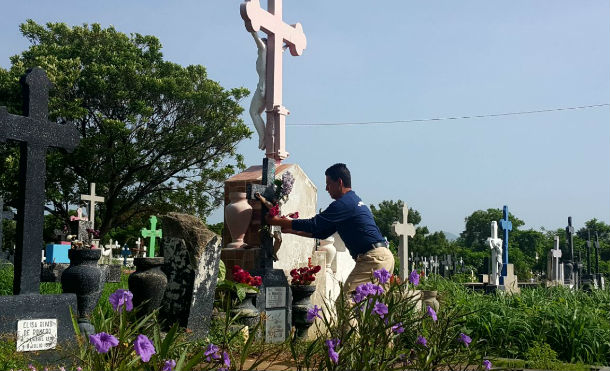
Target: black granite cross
(267,190)
(9,215)
(35,135)
(569,265)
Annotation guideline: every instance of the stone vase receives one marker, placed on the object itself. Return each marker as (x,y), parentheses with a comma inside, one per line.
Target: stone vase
(238,214)
(429,299)
(327,245)
(249,315)
(84,277)
(301,303)
(147,284)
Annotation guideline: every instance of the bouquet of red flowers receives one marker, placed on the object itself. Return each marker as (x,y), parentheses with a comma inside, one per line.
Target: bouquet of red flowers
(304,275)
(242,276)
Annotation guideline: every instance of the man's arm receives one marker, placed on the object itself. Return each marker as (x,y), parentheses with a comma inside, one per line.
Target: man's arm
(286,225)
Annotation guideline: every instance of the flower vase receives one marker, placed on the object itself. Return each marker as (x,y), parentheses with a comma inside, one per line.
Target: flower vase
(327,245)
(301,303)
(147,284)
(238,214)
(84,278)
(249,315)
(429,299)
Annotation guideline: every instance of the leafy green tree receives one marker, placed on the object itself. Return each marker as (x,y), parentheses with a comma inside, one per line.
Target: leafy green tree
(155,136)
(478,228)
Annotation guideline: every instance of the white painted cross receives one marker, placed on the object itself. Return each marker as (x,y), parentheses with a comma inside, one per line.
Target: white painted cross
(495,245)
(403,230)
(555,265)
(278,32)
(92,198)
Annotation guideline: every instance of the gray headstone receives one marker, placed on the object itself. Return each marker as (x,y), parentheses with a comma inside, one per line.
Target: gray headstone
(192,255)
(35,134)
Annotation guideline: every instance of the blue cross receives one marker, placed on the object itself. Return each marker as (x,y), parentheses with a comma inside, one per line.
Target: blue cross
(506,227)
(125,252)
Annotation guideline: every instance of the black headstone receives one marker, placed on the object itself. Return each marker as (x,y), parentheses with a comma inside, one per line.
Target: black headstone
(569,267)
(35,134)
(274,297)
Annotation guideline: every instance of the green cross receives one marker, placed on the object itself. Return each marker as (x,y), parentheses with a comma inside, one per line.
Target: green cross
(152,233)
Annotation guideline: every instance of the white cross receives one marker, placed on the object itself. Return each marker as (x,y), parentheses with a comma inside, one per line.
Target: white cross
(92,198)
(403,230)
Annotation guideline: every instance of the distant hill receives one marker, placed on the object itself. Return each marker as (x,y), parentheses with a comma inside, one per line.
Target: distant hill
(450,236)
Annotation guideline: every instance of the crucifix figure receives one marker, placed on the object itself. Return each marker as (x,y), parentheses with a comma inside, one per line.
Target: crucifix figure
(92,198)
(278,33)
(404,230)
(265,192)
(35,134)
(153,233)
(495,245)
(507,226)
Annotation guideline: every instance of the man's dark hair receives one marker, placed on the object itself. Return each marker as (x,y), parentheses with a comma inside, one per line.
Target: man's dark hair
(339,171)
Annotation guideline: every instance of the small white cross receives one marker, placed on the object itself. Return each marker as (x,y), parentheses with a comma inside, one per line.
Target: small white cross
(92,198)
(403,230)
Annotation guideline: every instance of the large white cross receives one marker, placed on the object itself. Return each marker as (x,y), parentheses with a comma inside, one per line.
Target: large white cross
(92,198)
(270,22)
(403,230)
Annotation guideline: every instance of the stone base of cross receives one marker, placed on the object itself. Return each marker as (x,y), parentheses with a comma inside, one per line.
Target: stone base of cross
(403,230)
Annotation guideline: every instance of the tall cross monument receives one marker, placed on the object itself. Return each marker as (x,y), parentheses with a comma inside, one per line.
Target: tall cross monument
(278,33)
(404,230)
(507,226)
(92,198)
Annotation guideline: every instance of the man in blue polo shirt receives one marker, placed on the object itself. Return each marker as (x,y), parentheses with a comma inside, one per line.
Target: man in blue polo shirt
(354,222)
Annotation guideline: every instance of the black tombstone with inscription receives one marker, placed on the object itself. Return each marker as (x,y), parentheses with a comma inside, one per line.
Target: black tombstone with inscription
(27,309)
(275,297)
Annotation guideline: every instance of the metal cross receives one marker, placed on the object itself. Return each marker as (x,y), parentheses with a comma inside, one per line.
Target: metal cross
(153,232)
(92,198)
(35,134)
(507,226)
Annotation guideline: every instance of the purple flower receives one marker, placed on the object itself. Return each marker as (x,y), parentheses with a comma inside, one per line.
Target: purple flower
(120,298)
(422,340)
(144,348)
(211,352)
(287,182)
(313,313)
(103,342)
(169,365)
(465,339)
(432,313)
(226,360)
(382,275)
(332,354)
(398,329)
(487,364)
(380,309)
(366,289)
(414,278)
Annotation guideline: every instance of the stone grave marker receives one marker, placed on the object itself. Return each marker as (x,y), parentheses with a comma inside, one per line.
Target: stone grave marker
(92,198)
(275,296)
(192,254)
(495,245)
(404,230)
(27,309)
(554,267)
(569,271)
(152,233)
(125,253)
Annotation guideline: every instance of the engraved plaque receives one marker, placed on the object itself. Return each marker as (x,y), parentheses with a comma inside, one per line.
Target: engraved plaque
(36,334)
(275,297)
(275,326)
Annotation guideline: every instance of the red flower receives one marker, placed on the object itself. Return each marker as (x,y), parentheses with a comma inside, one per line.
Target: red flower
(294,215)
(241,276)
(275,210)
(304,275)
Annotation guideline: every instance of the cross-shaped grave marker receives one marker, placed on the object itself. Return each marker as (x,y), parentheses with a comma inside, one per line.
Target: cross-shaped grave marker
(596,243)
(404,230)
(267,190)
(507,226)
(4,214)
(92,198)
(569,265)
(152,233)
(35,135)
(270,22)
(556,254)
(125,253)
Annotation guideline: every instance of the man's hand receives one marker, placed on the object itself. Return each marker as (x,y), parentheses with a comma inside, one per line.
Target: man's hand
(276,220)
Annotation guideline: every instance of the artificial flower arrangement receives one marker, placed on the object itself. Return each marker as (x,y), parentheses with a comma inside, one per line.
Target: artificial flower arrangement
(243,277)
(283,187)
(304,275)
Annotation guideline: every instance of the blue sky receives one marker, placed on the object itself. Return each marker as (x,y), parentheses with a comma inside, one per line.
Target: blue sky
(405,60)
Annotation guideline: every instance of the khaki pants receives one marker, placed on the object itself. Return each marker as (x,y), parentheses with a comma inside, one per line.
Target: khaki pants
(366,264)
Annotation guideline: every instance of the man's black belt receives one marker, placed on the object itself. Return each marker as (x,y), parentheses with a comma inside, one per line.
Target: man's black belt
(379,244)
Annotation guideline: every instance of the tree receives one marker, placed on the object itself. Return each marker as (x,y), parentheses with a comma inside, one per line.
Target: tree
(478,228)
(155,136)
